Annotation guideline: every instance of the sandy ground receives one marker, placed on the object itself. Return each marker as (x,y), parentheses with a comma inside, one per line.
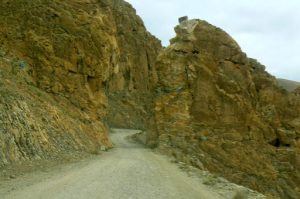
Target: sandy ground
(128,171)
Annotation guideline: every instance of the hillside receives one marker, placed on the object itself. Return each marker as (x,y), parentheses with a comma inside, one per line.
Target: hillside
(36,125)
(82,58)
(71,70)
(288,84)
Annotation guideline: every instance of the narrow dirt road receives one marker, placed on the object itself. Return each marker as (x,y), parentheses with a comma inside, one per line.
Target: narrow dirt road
(129,171)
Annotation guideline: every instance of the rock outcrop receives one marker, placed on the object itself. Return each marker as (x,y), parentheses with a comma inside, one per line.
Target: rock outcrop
(130,86)
(91,62)
(70,68)
(217,109)
(37,125)
(297,91)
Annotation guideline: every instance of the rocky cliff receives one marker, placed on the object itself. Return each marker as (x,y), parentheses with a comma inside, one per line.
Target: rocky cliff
(217,109)
(84,59)
(37,125)
(130,86)
(70,68)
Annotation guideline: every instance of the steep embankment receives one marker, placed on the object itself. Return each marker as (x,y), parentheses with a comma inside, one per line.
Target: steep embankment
(217,109)
(130,87)
(83,59)
(68,67)
(35,124)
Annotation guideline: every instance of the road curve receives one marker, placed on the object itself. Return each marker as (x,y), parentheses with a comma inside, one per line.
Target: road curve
(128,171)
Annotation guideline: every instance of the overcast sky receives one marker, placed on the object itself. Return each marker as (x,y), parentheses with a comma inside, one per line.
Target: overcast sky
(267,30)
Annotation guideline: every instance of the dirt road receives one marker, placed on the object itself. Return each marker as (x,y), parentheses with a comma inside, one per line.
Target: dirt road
(128,171)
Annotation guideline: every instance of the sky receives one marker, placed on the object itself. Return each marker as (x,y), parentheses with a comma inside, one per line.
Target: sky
(267,30)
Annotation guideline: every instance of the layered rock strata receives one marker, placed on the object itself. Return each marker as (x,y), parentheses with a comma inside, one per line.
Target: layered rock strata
(217,109)
(95,57)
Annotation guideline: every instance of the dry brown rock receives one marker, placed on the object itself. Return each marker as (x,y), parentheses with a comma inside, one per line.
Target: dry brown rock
(37,125)
(92,57)
(297,91)
(83,50)
(215,105)
(69,67)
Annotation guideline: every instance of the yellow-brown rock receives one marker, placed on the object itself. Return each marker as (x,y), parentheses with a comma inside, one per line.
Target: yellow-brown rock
(37,125)
(216,106)
(69,68)
(297,91)
(84,59)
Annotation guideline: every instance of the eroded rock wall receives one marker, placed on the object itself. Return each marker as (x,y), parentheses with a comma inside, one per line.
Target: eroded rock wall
(217,109)
(94,56)
(37,125)
(130,86)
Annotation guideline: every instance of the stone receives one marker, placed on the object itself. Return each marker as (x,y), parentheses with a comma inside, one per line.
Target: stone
(182,19)
(12,177)
(240,195)
(297,91)
(103,148)
(84,65)
(247,118)
(201,99)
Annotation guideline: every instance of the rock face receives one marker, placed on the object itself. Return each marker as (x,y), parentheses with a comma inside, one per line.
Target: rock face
(217,109)
(69,68)
(94,56)
(130,86)
(37,125)
(297,91)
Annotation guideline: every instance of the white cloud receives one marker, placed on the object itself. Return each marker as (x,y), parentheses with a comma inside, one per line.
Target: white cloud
(267,30)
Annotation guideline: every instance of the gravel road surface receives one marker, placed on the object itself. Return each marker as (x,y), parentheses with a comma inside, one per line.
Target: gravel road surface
(129,171)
